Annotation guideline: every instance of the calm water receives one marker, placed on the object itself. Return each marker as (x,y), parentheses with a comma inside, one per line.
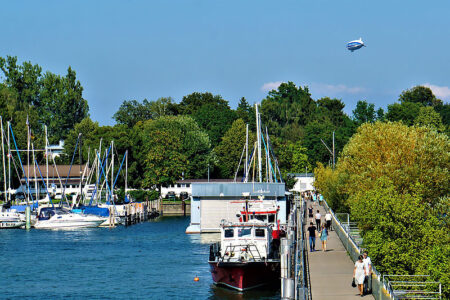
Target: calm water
(152,260)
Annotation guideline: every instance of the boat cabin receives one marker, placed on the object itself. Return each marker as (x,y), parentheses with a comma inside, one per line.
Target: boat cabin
(246,241)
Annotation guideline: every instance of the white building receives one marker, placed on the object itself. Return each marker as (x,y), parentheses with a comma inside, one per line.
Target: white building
(213,202)
(55,150)
(303,182)
(185,186)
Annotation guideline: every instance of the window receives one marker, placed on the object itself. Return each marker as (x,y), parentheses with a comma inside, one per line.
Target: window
(261,217)
(245,232)
(271,218)
(260,233)
(229,233)
(188,184)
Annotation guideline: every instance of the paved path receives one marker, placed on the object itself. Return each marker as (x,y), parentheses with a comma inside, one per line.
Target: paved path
(331,271)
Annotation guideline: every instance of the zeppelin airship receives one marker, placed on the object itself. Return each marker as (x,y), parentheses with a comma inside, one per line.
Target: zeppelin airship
(355,45)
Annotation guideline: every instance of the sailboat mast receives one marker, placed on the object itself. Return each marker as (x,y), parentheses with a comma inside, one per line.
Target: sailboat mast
(258,138)
(46,154)
(81,172)
(3,158)
(98,168)
(126,172)
(28,160)
(246,155)
(9,166)
(112,169)
(36,190)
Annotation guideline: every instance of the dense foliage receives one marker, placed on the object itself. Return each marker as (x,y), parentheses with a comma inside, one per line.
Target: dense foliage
(394,181)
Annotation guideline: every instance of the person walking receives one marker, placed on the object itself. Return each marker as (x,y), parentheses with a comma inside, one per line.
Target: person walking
(324,237)
(312,237)
(368,278)
(318,217)
(359,273)
(310,212)
(328,220)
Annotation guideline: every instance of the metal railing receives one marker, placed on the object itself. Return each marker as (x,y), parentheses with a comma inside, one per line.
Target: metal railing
(302,278)
(413,287)
(382,286)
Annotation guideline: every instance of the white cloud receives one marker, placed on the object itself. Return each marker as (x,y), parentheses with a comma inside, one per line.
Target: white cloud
(331,89)
(442,92)
(270,86)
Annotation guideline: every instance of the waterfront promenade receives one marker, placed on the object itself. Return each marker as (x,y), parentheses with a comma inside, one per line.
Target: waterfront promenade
(331,271)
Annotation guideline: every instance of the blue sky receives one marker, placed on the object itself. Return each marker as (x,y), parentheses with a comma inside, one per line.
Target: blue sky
(124,50)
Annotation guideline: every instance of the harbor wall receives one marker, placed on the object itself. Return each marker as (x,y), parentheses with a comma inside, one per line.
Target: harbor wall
(176,209)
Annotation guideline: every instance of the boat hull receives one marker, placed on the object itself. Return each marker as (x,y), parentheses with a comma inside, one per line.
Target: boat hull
(244,276)
(62,225)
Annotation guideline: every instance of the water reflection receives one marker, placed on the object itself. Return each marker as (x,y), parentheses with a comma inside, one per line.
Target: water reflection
(204,238)
(267,292)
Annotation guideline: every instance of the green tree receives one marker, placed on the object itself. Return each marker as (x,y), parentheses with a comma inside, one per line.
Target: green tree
(429,117)
(23,79)
(191,103)
(230,148)
(419,94)
(215,120)
(406,155)
(286,106)
(172,146)
(331,109)
(61,104)
(292,157)
(131,111)
(405,112)
(247,113)
(364,112)
(162,107)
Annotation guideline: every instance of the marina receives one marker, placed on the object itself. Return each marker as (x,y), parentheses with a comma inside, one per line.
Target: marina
(150,260)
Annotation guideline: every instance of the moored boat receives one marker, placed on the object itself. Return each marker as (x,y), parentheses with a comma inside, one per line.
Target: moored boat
(247,256)
(57,218)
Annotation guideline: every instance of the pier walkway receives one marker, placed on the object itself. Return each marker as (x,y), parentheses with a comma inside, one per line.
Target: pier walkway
(331,271)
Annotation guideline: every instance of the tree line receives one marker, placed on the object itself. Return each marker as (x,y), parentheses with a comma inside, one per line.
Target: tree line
(169,140)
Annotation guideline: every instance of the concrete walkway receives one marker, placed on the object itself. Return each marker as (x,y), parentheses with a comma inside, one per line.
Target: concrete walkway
(331,271)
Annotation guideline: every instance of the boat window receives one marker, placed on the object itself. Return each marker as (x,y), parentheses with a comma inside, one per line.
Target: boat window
(245,232)
(271,218)
(260,233)
(229,233)
(261,217)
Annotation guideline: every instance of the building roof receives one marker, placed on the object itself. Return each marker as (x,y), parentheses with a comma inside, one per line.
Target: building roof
(301,174)
(204,180)
(62,170)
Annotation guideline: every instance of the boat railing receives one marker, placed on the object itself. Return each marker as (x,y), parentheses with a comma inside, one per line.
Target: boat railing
(247,252)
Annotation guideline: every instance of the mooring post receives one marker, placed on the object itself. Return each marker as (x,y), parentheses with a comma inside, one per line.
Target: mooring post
(28,217)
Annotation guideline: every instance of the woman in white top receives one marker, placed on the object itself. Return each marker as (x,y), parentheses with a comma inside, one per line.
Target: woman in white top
(359,273)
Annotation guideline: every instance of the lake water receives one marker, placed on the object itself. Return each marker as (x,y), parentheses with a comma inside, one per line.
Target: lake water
(151,260)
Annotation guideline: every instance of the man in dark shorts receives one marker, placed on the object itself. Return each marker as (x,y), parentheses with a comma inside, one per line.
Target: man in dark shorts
(312,237)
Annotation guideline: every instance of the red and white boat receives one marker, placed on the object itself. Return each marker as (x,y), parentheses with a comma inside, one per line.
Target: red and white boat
(246,257)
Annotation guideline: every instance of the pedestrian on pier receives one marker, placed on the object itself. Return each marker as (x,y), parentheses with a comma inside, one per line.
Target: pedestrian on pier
(328,220)
(324,237)
(312,237)
(368,278)
(310,212)
(318,217)
(359,274)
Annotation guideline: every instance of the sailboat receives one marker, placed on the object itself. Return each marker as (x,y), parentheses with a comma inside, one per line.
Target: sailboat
(10,218)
